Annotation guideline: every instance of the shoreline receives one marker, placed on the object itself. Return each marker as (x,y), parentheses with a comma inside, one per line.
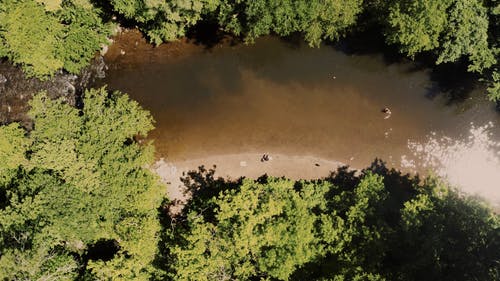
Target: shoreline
(249,165)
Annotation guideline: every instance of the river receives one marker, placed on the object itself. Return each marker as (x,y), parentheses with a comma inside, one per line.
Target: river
(286,98)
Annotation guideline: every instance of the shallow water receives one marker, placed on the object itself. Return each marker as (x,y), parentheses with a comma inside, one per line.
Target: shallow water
(279,97)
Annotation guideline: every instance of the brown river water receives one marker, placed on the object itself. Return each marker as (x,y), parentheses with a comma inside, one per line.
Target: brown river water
(278,97)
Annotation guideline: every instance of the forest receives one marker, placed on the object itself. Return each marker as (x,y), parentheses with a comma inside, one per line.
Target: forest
(79,201)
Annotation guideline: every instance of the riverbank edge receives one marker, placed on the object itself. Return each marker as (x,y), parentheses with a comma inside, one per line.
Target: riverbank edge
(235,166)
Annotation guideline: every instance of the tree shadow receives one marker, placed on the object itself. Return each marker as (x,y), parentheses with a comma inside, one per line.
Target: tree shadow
(369,40)
(203,187)
(208,33)
(453,81)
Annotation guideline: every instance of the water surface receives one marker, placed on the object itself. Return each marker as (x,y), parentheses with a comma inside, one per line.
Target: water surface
(279,97)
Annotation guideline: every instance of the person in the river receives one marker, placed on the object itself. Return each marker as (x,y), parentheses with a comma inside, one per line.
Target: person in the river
(387,112)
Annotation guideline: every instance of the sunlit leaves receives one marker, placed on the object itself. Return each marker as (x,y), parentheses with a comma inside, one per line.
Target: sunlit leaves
(467,35)
(265,229)
(83,180)
(13,147)
(494,87)
(30,36)
(452,29)
(317,20)
(417,25)
(164,20)
(45,37)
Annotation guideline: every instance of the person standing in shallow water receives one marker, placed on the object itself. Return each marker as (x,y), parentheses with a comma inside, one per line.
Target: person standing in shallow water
(387,112)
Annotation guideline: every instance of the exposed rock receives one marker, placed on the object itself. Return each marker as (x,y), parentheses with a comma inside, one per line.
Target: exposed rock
(69,89)
(16,89)
(99,68)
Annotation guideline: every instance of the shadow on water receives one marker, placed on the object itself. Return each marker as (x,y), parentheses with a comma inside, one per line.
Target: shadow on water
(452,80)
(208,33)
(369,41)
(293,41)
(449,79)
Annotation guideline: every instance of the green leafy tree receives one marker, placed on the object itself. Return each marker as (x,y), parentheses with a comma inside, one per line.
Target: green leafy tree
(466,34)
(374,225)
(29,37)
(316,19)
(80,182)
(82,35)
(266,229)
(164,20)
(494,87)
(48,36)
(452,29)
(272,228)
(416,26)
(494,80)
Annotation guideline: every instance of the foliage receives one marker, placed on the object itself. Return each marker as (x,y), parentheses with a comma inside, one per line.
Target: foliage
(29,37)
(46,38)
(13,145)
(80,181)
(451,28)
(417,25)
(262,230)
(82,36)
(494,87)
(373,225)
(164,20)
(466,34)
(316,19)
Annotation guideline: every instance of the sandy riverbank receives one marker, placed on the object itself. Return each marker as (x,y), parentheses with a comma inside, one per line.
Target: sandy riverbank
(234,166)
(248,165)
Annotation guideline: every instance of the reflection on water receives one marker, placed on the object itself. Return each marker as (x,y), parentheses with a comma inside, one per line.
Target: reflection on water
(275,97)
(471,164)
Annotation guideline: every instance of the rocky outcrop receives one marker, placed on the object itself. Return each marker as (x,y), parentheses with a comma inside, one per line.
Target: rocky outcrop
(16,89)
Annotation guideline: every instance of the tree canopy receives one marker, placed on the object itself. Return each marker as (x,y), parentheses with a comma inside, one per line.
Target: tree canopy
(46,36)
(378,225)
(317,20)
(76,184)
(452,28)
